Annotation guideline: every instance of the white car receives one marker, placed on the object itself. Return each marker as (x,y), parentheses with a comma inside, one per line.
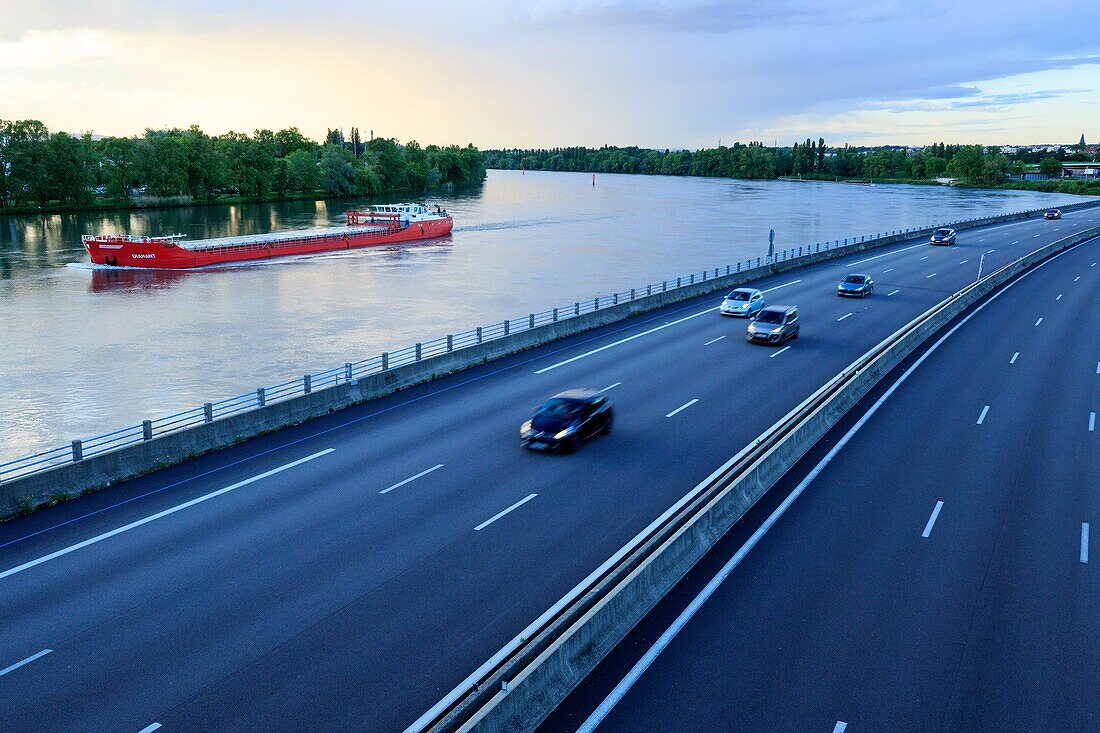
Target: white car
(742,302)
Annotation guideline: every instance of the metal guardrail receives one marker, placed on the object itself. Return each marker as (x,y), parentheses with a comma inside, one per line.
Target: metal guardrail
(79,450)
(473,696)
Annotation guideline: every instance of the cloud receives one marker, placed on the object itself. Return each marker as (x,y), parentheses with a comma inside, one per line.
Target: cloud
(57,49)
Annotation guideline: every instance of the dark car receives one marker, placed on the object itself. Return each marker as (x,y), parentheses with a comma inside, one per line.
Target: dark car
(857,286)
(566,419)
(943,236)
(774,324)
(1053,214)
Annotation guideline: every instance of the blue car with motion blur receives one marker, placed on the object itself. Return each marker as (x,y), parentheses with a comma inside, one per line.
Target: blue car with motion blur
(567,419)
(856,286)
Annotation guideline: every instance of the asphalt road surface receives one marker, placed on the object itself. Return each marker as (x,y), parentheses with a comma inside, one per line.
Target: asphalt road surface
(346,573)
(937,574)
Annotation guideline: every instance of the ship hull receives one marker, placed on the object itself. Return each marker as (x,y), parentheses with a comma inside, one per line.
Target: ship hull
(172,256)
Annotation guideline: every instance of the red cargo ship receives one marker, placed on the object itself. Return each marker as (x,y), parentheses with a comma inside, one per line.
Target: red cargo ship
(380,225)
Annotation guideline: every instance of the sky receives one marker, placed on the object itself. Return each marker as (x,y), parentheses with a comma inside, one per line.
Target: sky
(548,73)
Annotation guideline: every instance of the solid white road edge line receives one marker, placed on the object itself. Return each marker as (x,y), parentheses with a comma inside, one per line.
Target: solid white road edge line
(772,356)
(651,654)
(1084,542)
(713,341)
(159,515)
(497,516)
(410,479)
(894,252)
(985,411)
(932,520)
(682,407)
(22,662)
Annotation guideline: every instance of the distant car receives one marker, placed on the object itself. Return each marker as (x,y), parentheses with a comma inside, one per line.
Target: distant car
(1053,214)
(566,419)
(774,324)
(742,302)
(858,286)
(943,236)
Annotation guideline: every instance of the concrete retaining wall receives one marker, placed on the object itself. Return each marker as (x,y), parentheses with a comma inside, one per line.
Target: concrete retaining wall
(21,495)
(534,689)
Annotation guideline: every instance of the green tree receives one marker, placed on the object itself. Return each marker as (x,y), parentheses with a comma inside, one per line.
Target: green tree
(1050,166)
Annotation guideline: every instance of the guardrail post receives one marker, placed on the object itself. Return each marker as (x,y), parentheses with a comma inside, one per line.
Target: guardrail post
(347,371)
(419,350)
(307,384)
(632,293)
(261,398)
(506,325)
(577,309)
(649,289)
(727,269)
(691,279)
(614,299)
(207,412)
(450,342)
(555,315)
(597,304)
(146,429)
(531,321)
(758,262)
(677,282)
(78,451)
(386,354)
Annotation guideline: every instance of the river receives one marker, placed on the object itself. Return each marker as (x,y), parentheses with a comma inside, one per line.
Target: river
(84,350)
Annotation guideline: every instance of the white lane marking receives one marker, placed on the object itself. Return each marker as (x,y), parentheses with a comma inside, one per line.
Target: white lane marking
(610,387)
(1084,542)
(1093,265)
(772,356)
(925,257)
(159,515)
(1059,296)
(1016,242)
(410,479)
(622,341)
(895,292)
(1076,278)
(964,262)
(685,616)
(150,728)
(1092,422)
(22,662)
(840,726)
(985,411)
(682,407)
(932,520)
(932,275)
(903,249)
(1014,358)
(1036,235)
(846,315)
(778,287)
(991,251)
(713,341)
(1098,367)
(497,516)
(1038,321)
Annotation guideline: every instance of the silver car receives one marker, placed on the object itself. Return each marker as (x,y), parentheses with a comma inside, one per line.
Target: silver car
(742,302)
(854,285)
(774,324)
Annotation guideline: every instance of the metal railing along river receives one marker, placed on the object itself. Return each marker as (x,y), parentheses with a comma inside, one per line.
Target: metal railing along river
(79,450)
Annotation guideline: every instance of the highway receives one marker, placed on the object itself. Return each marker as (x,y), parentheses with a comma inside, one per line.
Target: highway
(348,572)
(938,573)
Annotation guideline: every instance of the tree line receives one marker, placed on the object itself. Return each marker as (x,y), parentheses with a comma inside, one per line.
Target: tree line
(40,169)
(973,164)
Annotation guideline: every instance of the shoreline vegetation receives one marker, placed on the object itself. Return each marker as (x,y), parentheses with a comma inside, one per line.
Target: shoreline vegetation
(43,172)
(972,166)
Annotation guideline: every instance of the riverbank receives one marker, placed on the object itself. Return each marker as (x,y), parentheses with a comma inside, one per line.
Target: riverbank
(1066,186)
